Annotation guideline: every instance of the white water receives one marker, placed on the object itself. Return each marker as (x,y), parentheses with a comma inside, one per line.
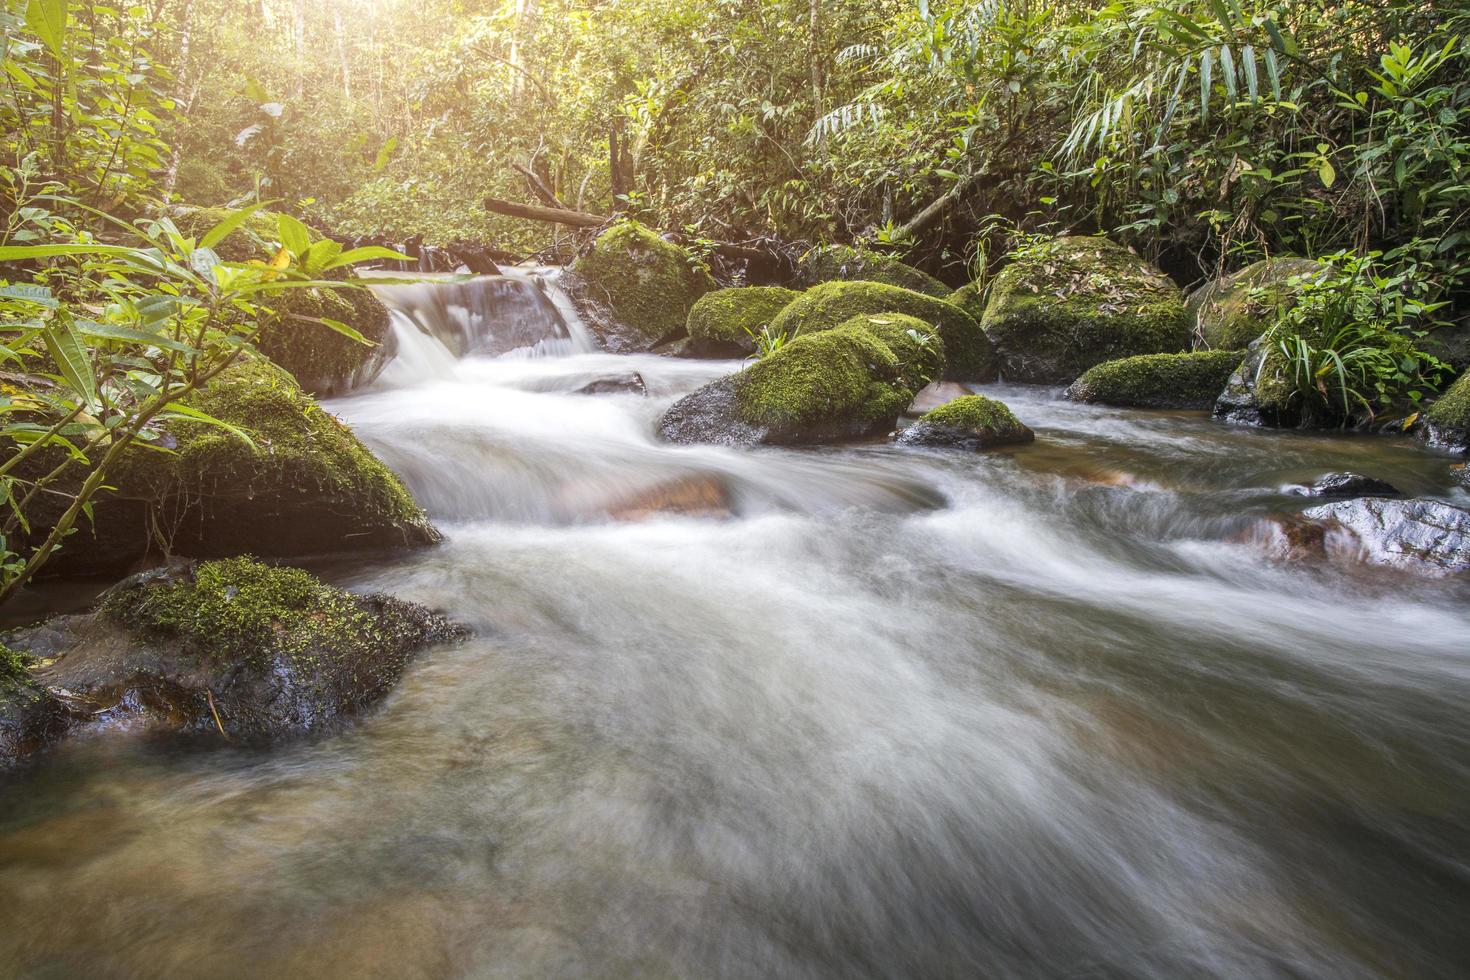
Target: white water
(1042,713)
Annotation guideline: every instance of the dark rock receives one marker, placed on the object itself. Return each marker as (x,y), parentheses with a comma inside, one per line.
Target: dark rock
(231,647)
(1345,485)
(30,715)
(971,422)
(1256,393)
(1446,424)
(1424,536)
(622,384)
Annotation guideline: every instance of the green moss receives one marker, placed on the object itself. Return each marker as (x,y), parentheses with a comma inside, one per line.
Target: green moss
(823,307)
(648,284)
(299,451)
(917,345)
(1451,411)
(721,319)
(970,298)
(839,262)
(239,610)
(323,360)
(15,671)
(1192,380)
(844,377)
(1232,311)
(970,422)
(1059,308)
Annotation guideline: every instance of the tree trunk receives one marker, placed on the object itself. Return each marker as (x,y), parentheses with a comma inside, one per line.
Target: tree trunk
(819,79)
(186,34)
(342,51)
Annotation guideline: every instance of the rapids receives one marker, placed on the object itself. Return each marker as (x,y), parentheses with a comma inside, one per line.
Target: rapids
(1037,713)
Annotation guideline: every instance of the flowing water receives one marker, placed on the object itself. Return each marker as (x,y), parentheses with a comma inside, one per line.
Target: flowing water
(1048,712)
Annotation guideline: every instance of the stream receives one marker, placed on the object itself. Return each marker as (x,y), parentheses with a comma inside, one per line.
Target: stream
(1049,712)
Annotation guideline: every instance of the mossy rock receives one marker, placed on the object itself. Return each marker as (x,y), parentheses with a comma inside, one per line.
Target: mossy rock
(844,262)
(1259,391)
(30,715)
(1070,303)
(968,352)
(1234,310)
(232,647)
(323,361)
(970,422)
(1447,421)
(635,289)
(721,323)
(1192,380)
(970,298)
(844,383)
(305,486)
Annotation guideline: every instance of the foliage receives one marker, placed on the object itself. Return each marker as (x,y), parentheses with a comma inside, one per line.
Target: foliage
(1348,342)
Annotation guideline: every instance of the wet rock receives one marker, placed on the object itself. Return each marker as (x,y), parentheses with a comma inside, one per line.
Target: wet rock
(630,383)
(726,322)
(1460,473)
(1289,538)
(232,647)
(703,495)
(634,289)
(835,385)
(1257,392)
(1346,485)
(969,355)
(324,362)
(1424,536)
(844,262)
(30,715)
(303,485)
(1192,380)
(1446,425)
(972,422)
(1232,311)
(1073,302)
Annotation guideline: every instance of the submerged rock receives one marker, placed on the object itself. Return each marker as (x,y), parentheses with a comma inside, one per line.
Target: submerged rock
(233,647)
(968,353)
(303,485)
(623,384)
(1346,485)
(702,495)
(1061,307)
(1191,380)
(726,322)
(1446,424)
(1232,311)
(634,289)
(971,422)
(1423,536)
(844,262)
(845,383)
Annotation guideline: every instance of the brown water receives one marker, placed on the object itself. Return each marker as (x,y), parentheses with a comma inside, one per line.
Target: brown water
(1042,713)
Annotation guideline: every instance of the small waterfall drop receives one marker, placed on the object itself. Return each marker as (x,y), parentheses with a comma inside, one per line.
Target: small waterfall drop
(520,313)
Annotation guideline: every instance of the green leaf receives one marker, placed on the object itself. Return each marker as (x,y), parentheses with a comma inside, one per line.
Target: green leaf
(1206,66)
(66,348)
(35,295)
(17,253)
(385,154)
(47,20)
(1326,172)
(341,328)
(109,331)
(367,253)
(222,230)
(295,236)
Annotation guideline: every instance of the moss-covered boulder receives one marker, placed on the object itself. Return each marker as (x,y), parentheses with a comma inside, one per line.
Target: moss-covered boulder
(1192,380)
(845,383)
(1259,391)
(303,485)
(844,262)
(234,648)
(1064,305)
(971,422)
(1446,424)
(970,298)
(1234,310)
(726,322)
(635,289)
(257,237)
(968,352)
(30,715)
